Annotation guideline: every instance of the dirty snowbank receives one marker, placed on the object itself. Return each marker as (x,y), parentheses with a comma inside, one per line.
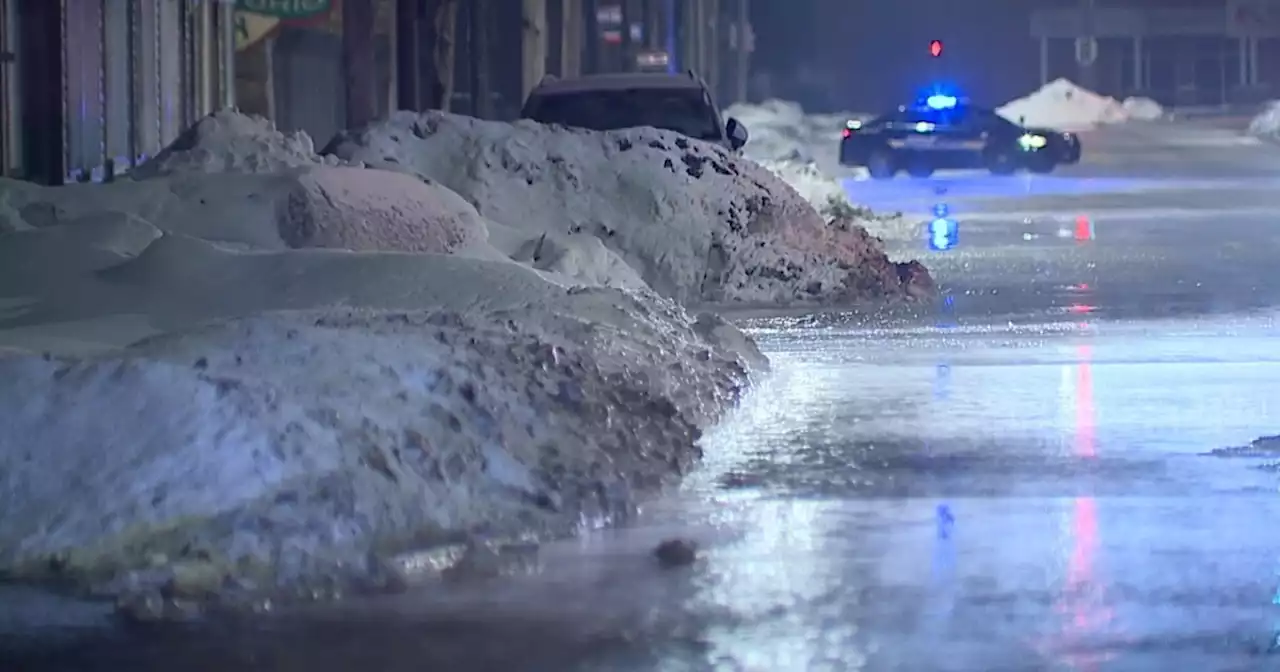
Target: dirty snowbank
(803,150)
(280,375)
(1142,109)
(697,224)
(304,451)
(782,131)
(1064,105)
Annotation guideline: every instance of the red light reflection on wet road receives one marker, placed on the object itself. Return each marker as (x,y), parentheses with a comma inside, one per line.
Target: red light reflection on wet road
(1081,602)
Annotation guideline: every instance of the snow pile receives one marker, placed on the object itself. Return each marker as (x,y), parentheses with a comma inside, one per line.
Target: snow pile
(230,141)
(305,450)
(346,208)
(803,149)
(1267,123)
(1063,105)
(696,223)
(782,131)
(283,374)
(1142,109)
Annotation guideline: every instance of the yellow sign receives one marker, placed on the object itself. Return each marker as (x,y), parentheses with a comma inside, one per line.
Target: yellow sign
(251,28)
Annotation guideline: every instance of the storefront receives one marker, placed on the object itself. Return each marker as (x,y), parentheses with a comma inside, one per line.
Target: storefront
(94,86)
(1210,52)
(289,64)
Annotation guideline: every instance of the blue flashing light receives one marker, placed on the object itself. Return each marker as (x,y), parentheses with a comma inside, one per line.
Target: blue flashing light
(944,234)
(940,101)
(940,210)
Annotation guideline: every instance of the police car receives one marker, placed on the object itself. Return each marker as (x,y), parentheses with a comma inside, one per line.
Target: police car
(943,132)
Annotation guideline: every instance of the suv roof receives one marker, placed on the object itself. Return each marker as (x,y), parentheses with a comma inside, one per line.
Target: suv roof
(619,81)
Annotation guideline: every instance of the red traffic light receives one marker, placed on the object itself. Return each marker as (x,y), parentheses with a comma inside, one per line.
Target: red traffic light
(935,48)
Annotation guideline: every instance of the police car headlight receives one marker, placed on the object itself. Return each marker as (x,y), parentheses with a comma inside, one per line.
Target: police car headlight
(1032,141)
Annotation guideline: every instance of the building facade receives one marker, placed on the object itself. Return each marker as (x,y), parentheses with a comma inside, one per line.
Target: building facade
(1182,52)
(92,87)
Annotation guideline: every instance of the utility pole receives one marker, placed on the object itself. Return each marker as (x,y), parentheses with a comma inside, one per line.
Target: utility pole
(571,38)
(533,41)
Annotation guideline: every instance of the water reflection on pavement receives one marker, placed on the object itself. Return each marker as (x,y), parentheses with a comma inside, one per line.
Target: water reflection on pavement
(1029,498)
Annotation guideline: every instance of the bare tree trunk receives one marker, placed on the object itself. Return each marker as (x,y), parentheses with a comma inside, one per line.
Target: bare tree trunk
(445,54)
(479,51)
(571,29)
(533,42)
(358,68)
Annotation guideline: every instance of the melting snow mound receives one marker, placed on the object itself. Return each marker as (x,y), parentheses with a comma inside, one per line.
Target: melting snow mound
(1063,105)
(305,450)
(1142,109)
(696,223)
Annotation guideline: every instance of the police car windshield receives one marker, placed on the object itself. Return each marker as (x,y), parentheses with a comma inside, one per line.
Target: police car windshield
(682,110)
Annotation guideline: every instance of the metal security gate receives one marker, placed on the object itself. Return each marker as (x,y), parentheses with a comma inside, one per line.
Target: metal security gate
(136,73)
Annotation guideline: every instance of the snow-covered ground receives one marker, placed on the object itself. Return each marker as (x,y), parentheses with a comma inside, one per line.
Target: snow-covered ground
(256,367)
(1064,105)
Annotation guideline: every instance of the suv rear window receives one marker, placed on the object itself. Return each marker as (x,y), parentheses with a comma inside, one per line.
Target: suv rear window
(685,111)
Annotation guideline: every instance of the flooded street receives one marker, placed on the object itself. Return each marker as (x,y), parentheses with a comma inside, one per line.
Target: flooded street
(1019,481)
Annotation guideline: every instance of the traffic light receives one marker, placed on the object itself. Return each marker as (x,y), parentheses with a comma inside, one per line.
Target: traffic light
(935,48)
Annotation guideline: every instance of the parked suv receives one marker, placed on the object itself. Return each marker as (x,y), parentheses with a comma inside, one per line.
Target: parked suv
(674,102)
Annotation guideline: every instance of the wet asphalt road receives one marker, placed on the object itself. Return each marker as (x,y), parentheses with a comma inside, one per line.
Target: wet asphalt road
(1016,482)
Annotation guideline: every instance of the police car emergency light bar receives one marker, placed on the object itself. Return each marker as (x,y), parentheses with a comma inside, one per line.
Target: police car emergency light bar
(939,101)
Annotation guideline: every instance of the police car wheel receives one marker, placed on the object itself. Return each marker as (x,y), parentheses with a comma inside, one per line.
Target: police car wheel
(919,169)
(881,165)
(1041,164)
(1001,162)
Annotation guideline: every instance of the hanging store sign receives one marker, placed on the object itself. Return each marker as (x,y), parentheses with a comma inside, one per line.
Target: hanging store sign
(285,9)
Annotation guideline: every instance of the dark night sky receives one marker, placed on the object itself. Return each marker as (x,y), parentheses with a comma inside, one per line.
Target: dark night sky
(875,52)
